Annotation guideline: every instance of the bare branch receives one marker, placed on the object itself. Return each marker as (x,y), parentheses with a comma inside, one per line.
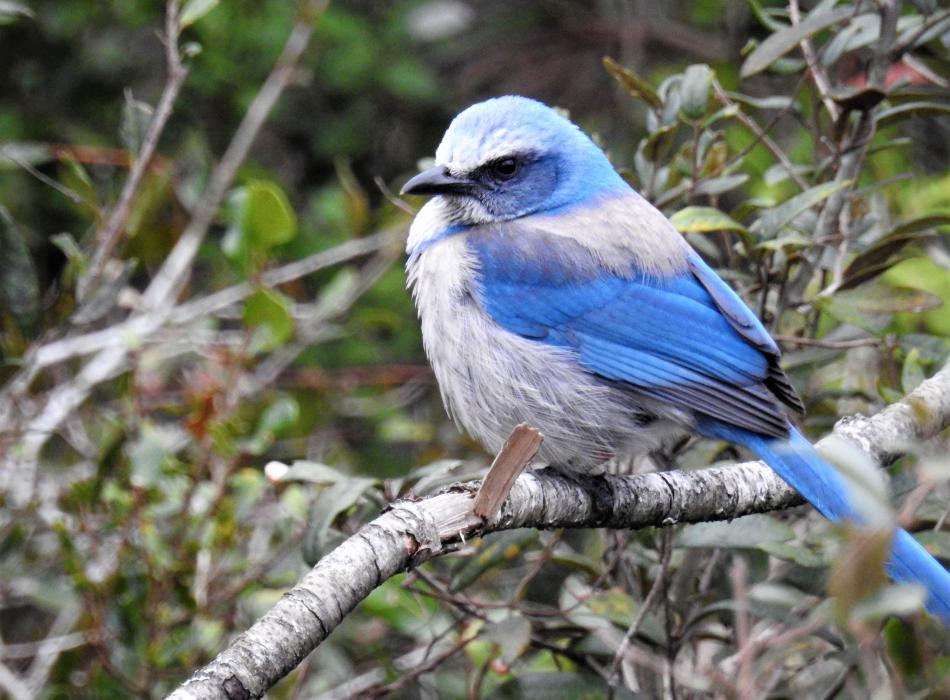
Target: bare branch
(174,272)
(136,329)
(412,532)
(110,234)
(851,153)
(762,136)
(198,308)
(818,74)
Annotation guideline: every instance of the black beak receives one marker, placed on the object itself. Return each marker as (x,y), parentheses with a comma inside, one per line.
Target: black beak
(437,180)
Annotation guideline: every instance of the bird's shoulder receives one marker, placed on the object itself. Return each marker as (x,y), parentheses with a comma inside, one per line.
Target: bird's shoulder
(618,235)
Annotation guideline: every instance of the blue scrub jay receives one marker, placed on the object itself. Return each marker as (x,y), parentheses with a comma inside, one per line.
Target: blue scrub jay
(552,293)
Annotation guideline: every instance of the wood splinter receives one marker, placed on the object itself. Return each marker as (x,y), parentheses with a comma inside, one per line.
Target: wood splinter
(516,454)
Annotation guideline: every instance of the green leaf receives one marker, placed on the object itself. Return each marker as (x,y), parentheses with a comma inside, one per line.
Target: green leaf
(260,218)
(793,553)
(749,532)
(911,109)
(561,685)
(718,185)
(14,153)
(727,112)
(788,240)
(902,643)
(11,11)
(909,27)
(703,220)
(775,219)
(879,257)
(870,306)
(694,91)
(75,177)
(512,635)
(279,416)
(276,419)
(151,451)
(136,117)
(891,599)
(194,10)
(268,218)
(885,300)
(632,83)
(313,472)
(859,31)
(783,41)
(268,311)
(912,373)
(926,274)
(655,146)
(331,502)
(777,102)
(74,254)
(19,290)
(922,223)
(409,79)
(765,16)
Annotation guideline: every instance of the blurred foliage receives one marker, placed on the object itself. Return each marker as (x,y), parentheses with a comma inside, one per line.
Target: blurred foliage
(165,520)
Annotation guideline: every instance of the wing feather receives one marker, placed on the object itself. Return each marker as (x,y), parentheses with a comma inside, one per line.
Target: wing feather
(687,340)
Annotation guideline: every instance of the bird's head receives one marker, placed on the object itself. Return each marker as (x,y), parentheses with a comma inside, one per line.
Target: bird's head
(509,157)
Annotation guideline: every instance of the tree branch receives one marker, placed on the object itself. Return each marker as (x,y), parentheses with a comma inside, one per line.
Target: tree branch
(109,236)
(411,532)
(173,273)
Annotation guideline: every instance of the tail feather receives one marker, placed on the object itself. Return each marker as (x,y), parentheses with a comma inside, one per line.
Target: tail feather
(797,462)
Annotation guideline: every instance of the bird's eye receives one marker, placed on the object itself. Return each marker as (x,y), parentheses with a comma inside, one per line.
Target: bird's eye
(506,168)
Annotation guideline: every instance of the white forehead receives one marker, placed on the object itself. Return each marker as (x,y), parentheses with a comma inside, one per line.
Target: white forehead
(500,127)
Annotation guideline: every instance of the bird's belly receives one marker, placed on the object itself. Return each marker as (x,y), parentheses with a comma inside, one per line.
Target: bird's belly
(491,380)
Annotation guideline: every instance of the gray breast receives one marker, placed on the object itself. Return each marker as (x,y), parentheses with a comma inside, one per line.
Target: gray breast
(491,380)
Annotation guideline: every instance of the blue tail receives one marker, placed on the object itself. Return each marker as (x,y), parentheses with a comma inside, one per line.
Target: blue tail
(797,462)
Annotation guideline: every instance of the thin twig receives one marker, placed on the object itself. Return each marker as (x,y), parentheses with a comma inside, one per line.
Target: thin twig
(738,575)
(850,157)
(49,649)
(173,274)
(818,74)
(70,194)
(833,344)
(110,234)
(199,308)
(933,21)
(638,619)
(762,136)
(314,327)
(393,198)
(11,683)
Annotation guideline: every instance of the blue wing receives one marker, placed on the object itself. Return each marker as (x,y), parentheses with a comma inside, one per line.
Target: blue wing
(689,340)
